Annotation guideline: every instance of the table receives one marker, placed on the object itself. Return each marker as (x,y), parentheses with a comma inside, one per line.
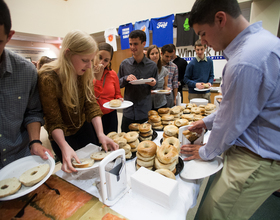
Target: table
(134,206)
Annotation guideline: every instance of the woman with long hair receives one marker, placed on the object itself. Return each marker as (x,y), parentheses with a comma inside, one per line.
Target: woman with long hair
(159,100)
(72,115)
(106,86)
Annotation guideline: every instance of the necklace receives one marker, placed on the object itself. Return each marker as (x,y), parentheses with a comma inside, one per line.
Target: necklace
(75,112)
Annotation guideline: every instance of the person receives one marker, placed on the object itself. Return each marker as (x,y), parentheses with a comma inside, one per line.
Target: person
(246,126)
(181,64)
(70,108)
(106,87)
(137,67)
(166,56)
(199,72)
(159,100)
(21,113)
(42,61)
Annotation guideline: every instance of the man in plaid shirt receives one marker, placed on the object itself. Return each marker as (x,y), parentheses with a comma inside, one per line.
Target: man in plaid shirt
(166,55)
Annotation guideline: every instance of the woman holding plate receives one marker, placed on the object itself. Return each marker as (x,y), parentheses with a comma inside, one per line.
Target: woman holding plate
(159,100)
(106,86)
(72,115)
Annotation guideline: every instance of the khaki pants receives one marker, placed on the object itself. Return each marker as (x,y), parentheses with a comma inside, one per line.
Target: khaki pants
(240,188)
(202,96)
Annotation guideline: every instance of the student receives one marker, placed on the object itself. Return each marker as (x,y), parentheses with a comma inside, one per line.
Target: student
(166,56)
(42,61)
(137,67)
(21,115)
(198,72)
(68,101)
(159,100)
(246,126)
(106,87)
(181,64)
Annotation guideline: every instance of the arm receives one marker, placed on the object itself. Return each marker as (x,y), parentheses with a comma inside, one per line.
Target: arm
(211,74)
(175,84)
(33,130)
(103,139)
(118,94)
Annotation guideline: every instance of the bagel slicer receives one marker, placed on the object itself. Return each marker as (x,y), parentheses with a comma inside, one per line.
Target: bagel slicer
(113,180)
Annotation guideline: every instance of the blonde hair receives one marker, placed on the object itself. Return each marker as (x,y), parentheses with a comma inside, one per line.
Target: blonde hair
(75,42)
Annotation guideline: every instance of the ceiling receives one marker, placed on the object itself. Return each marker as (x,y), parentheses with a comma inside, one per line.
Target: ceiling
(20,36)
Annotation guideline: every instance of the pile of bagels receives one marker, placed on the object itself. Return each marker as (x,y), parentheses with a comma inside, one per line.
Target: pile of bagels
(144,130)
(128,141)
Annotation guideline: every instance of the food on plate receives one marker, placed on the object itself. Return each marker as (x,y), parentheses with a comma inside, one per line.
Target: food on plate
(112,134)
(86,162)
(191,136)
(146,151)
(121,141)
(155,118)
(169,166)
(164,90)
(34,175)
(195,110)
(181,122)
(167,118)
(128,155)
(115,103)
(163,110)
(167,154)
(131,136)
(134,145)
(167,173)
(171,130)
(206,86)
(145,127)
(152,112)
(176,110)
(110,216)
(9,186)
(99,155)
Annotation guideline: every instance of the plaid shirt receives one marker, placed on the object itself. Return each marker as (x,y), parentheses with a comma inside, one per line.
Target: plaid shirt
(19,106)
(173,75)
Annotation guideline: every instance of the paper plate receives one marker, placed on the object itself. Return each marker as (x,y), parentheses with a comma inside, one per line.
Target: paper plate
(201,90)
(18,167)
(198,169)
(140,81)
(163,92)
(125,104)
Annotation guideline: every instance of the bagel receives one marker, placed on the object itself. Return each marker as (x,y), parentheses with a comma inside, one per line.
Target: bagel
(155,124)
(175,110)
(9,186)
(152,112)
(149,138)
(197,117)
(128,155)
(147,148)
(127,148)
(145,127)
(159,127)
(181,122)
(84,163)
(159,165)
(142,163)
(191,136)
(167,154)
(115,103)
(149,133)
(149,168)
(187,111)
(164,136)
(134,126)
(167,173)
(171,130)
(134,144)
(131,136)
(167,118)
(189,117)
(112,134)
(210,107)
(99,155)
(172,141)
(163,110)
(34,175)
(121,141)
(138,155)
(195,110)
(155,118)
(205,85)
(167,122)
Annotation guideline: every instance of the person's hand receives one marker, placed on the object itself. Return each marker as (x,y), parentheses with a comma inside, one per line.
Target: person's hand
(199,85)
(107,143)
(121,99)
(197,126)
(98,70)
(192,150)
(67,156)
(152,83)
(131,77)
(38,149)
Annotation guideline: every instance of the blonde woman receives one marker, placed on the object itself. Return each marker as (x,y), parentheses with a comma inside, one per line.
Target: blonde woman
(72,115)
(159,100)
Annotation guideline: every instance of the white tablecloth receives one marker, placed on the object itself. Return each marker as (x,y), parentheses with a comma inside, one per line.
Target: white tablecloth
(133,206)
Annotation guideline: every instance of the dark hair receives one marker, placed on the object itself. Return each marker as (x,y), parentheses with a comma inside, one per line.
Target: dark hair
(198,44)
(173,46)
(203,11)
(5,17)
(107,47)
(138,33)
(159,64)
(43,60)
(167,48)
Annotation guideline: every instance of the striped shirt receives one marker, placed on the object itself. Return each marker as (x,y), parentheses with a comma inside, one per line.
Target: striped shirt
(173,75)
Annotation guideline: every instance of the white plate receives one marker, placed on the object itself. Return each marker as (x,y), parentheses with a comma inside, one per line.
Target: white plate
(125,104)
(164,93)
(18,167)
(201,90)
(140,81)
(198,169)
